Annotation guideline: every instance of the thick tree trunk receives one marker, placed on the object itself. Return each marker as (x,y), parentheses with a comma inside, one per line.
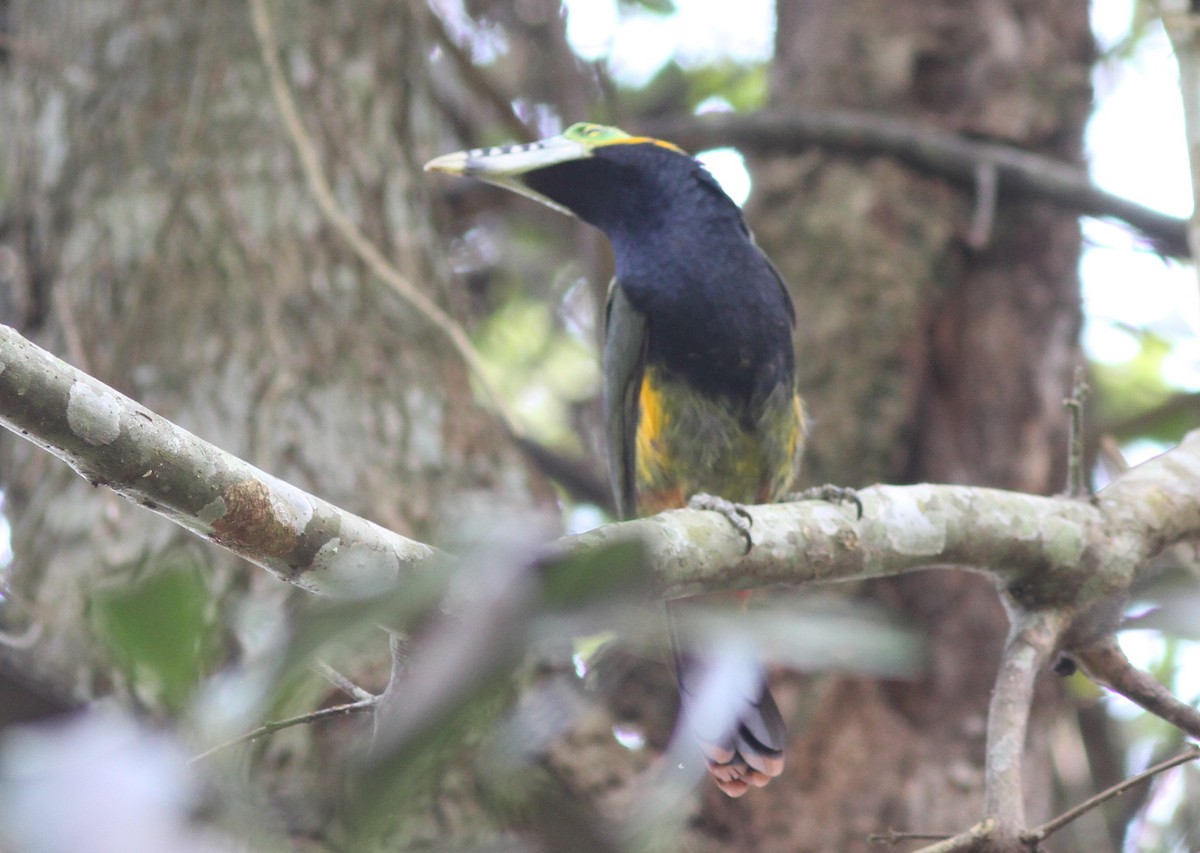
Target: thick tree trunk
(928,350)
(168,245)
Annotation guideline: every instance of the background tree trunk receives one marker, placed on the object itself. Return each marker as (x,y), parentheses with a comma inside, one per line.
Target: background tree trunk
(922,357)
(170,247)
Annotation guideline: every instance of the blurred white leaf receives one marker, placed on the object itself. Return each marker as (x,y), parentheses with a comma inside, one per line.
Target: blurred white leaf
(95,783)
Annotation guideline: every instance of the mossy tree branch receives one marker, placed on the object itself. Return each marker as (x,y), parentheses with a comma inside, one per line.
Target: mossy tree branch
(1049,551)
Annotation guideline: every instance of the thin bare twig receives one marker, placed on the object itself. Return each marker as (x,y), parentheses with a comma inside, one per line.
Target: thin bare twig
(894,836)
(1076,469)
(971,841)
(318,184)
(1037,834)
(341,682)
(477,81)
(984,218)
(271,727)
(1110,454)
(1105,663)
(941,152)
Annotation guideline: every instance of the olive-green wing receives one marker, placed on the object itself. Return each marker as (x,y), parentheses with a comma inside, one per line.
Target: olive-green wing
(624,364)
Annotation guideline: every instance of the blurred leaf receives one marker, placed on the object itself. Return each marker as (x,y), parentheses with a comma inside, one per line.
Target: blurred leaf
(596,576)
(159,632)
(1131,389)
(814,634)
(1168,600)
(1178,617)
(319,622)
(442,698)
(396,777)
(1142,17)
(99,781)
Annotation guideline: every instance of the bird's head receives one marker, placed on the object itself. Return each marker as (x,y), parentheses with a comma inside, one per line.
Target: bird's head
(603,175)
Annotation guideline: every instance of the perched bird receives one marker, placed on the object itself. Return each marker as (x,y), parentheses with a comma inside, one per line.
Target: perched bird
(699,371)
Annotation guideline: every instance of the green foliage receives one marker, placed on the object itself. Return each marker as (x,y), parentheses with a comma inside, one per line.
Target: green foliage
(538,365)
(593,578)
(742,87)
(1131,396)
(442,711)
(656,7)
(676,89)
(160,631)
(1137,383)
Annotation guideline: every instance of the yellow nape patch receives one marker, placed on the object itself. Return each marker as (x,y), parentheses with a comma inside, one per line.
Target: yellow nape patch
(597,135)
(649,140)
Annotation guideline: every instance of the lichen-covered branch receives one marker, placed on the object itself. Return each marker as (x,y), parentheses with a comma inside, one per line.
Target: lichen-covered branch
(1034,637)
(112,441)
(903,528)
(1046,550)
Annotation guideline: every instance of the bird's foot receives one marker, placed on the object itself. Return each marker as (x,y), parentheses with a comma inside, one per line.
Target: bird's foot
(830,494)
(736,513)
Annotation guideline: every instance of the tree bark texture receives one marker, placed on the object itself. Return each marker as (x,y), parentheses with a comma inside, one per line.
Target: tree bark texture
(925,353)
(165,242)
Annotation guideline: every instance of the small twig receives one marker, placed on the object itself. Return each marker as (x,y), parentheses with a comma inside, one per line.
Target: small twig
(66,316)
(272,726)
(1076,472)
(341,682)
(893,837)
(1110,452)
(477,81)
(1034,836)
(971,841)
(987,183)
(1105,663)
(1020,172)
(367,252)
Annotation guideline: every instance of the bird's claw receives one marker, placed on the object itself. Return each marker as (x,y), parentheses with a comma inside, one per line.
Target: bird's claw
(736,513)
(830,494)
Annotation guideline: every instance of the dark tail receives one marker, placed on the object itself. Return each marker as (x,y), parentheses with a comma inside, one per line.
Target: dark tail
(728,708)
